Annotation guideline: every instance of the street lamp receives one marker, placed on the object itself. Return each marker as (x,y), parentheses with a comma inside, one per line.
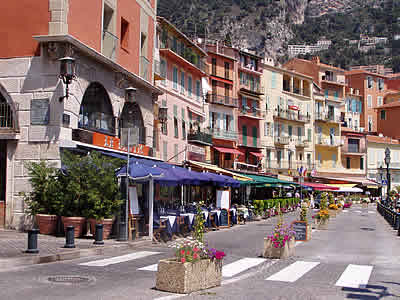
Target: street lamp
(380,173)
(387,162)
(67,73)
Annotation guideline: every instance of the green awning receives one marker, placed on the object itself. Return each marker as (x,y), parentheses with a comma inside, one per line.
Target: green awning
(266,181)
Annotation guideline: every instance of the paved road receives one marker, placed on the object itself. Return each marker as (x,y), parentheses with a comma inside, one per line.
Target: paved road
(357,258)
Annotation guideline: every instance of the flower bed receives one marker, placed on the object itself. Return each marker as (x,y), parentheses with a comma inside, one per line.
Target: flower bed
(281,243)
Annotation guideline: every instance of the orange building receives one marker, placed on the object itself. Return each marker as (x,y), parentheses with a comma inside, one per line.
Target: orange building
(373,88)
(388,116)
(103,83)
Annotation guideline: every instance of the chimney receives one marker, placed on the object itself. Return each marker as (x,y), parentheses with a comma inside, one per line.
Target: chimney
(315,60)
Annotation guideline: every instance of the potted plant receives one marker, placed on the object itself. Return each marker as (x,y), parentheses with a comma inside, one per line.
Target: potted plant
(303,218)
(281,243)
(194,267)
(321,219)
(365,202)
(44,202)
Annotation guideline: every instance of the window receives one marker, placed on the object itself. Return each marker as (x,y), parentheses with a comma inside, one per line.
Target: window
(299,132)
(255,134)
(290,130)
(267,127)
(309,134)
(226,66)
(176,132)
(124,33)
(347,162)
(164,127)
(190,86)
(370,123)
(383,114)
(182,82)
(336,95)
(268,158)
(213,66)
(370,82)
(361,163)
(319,158)
(353,145)
(381,84)
(380,100)
(326,93)
(369,101)
(198,90)
(244,135)
(163,70)
(165,151)
(226,88)
(273,80)
(175,78)
(143,44)
(183,124)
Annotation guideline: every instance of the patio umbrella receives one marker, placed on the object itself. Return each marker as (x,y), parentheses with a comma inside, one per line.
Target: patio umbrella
(138,171)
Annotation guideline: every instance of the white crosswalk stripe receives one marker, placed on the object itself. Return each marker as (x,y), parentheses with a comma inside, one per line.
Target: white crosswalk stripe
(240,266)
(355,276)
(293,272)
(118,259)
(152,268)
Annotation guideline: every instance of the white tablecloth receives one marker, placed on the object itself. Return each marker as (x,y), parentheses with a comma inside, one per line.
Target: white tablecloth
(191,216)
(171,219)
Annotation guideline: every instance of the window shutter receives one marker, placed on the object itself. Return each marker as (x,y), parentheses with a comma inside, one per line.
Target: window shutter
(218,120)
(232,123)
(175,110)
(183,114)
(309,134)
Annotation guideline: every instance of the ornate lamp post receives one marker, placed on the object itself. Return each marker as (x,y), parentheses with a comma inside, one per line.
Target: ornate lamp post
(380,173)
(387,162)
(67,74)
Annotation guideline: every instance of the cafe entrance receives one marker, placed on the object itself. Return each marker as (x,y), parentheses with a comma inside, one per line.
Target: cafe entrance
(3,170)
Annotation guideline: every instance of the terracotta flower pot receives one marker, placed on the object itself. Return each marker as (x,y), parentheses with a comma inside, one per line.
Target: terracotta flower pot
(183,278)
(78,223)
(47,223)
(107,226)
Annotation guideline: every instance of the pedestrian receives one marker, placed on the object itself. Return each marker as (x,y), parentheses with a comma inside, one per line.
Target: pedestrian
(297,195)
(311,200)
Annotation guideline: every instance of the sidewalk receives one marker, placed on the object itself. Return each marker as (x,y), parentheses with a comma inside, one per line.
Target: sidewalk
(13,245)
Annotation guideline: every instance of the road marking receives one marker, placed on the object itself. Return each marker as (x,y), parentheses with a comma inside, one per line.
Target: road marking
(371,212)
(171,297)
(241,265)
(346,211)
(358,211)
(118,259)
(298,243)
(355,276)
(152,268)
(294,271)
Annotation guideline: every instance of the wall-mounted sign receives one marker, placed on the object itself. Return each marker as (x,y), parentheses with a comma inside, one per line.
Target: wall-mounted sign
(111,142)
(40,111)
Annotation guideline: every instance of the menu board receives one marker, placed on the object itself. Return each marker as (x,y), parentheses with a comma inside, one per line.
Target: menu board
(300,229)
(223,199)
(134,208)
(223,218)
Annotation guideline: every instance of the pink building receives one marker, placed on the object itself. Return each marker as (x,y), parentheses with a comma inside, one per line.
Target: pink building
(182,69)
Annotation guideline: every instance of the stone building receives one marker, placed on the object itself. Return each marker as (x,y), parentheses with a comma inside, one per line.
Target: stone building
(112,44)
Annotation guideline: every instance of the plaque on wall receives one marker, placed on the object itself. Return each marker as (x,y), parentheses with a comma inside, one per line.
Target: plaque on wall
(40,111)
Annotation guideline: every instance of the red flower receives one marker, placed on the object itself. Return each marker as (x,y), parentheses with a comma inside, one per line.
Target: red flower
(188,252)
(195,256)
(183,260)
(182,252)
(195,249)
(219,255)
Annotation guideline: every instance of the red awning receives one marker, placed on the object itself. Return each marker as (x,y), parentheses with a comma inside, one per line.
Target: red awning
(228,150)
(320,186)
(257,154)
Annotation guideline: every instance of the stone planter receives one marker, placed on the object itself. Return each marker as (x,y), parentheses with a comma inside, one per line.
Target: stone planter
(309,230)
(183,278)
(107,226)
(271,252)
(322,224)
(78,223)
(47,223)
(332,213)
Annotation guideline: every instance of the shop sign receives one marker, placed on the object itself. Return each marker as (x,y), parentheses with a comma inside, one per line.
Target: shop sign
(196,153)
(107,141)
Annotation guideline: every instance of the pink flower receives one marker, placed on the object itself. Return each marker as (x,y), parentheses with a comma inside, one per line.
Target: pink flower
(195,256)
(195,249)
(183,260)
(188,252)
(182,252)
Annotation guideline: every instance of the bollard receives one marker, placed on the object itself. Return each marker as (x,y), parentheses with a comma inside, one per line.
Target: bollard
(32,241)
(122,232)
(98,237)
(70,237)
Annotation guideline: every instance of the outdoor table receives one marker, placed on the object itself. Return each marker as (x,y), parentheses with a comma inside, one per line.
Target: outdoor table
(234,217)
(190,219)
(216,214)
(171,224)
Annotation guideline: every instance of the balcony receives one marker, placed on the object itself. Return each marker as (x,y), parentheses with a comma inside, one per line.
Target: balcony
(246,167)
(223,100)
(224,134)
(145,68)
(252,88)
(286,114)
(281,140)
(329,118)
(110,43)
(353,149)
(159,71)
(302,143)
(185,55)
(199,137)
(250,67)
(8,119)
(332,79)
(252,112)
(249,141)
(334,141)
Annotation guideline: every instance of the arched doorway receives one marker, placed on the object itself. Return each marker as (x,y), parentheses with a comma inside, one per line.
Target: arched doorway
(96,112)
(131,117)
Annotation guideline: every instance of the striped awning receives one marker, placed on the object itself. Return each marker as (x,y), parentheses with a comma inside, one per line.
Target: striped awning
(342,185)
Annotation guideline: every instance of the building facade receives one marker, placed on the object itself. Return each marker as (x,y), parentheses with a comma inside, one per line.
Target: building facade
(112,44)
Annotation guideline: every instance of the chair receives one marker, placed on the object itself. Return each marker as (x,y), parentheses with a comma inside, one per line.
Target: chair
(159,229)
(133,226)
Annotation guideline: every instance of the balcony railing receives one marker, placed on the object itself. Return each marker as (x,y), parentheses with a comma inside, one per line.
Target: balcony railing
(334,141)
(281,140)
(250,67)
(289,165)
(145,68)
(223,100)
(353,149)
(255,88)
(159,71)
(252,112)
(325,117)
(301,142)
(224,134)
(110,43)
(185,53)
(8,119)
(200,138)
(249,141)
(246,167)
(291,115)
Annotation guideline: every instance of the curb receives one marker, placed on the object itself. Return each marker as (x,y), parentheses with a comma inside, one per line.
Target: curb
(69,255)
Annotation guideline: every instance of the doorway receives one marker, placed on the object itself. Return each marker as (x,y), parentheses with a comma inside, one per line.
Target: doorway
(3,172)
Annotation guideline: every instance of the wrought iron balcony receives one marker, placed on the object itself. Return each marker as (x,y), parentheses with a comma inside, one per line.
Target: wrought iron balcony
(334,141)
(252,112)
(223,100)
(252,87)
(110,43)
(281,140)
(160,72)
(291,115)
(353,149)
(199,137)
(302,142)
(326,117)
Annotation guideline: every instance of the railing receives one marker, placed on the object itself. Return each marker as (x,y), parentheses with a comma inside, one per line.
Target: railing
(8,117)
(301,142)
(327,118)
(255,88)
(390,215)
(144,68)
(328,141)
(252,113)
(281,140)
(291,115)
(223,100)
(392,165)
(200,137)
(110,43)
(249,141)
(247,167)
(250,67)
(224,134)
(159,71)
(353,148)
(290,165)
(186,54)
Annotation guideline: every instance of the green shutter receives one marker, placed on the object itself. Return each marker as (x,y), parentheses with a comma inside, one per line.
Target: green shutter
(309,134)
(175,110)
(244,135)
(255,136)
(183,114)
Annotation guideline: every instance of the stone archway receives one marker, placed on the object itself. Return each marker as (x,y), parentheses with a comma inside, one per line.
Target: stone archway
(96,111)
